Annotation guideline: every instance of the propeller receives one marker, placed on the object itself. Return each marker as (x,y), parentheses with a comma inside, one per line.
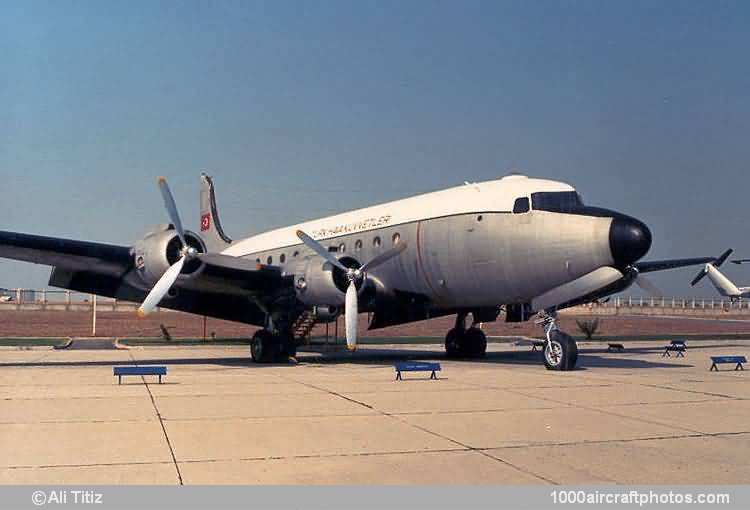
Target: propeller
(716,263)
(187,252)
(648,286)
(354,275)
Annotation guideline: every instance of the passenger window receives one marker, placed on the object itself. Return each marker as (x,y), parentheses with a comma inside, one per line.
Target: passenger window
(282,258)
(269,260)
(521,205)
(358,245)
(376,242)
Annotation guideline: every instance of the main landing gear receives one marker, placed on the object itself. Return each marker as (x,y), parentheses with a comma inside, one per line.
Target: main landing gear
(268,347)
(560,349)
(461,342)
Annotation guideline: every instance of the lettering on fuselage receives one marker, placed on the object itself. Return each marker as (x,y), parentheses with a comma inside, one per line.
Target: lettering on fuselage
(349,228)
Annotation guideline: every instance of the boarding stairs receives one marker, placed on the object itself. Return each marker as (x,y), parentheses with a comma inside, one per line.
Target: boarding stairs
(303,326)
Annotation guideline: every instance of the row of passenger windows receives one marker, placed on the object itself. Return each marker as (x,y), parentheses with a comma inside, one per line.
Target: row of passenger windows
(341,248)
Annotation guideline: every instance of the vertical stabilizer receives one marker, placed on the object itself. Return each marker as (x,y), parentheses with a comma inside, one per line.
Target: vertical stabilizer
(721,282)
(210,226)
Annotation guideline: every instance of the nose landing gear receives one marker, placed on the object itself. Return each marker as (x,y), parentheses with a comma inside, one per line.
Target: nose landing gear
(560,349)
(462,342)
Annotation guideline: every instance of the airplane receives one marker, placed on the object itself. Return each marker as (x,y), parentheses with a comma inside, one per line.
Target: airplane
(516,245)
(723,284)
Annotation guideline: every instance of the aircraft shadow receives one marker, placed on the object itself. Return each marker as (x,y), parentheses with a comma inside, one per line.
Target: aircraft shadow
(587,358)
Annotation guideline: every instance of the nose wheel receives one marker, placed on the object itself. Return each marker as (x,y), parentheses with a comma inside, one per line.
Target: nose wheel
(560,352)
(560,349)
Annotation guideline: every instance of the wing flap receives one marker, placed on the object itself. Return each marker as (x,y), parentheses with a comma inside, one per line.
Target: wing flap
(211,304)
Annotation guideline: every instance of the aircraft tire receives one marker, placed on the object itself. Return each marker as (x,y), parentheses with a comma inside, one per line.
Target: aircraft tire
(561,352)
(263,347)
(475,343)
(454,343)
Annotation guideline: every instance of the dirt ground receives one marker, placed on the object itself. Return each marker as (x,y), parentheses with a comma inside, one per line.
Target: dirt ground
(127,325)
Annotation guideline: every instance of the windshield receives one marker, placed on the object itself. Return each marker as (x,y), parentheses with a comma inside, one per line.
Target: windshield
(556,201)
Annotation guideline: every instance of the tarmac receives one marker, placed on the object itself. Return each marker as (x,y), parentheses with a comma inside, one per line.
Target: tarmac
(630,418)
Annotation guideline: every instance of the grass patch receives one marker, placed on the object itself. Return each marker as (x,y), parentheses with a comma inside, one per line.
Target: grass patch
(32,342)
(183,341)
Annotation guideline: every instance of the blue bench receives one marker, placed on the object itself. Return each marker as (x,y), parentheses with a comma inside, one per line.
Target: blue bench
(718,360)
(679,343)
(678,348)
(615,347)
(146,370)
(414,366)
(537,343)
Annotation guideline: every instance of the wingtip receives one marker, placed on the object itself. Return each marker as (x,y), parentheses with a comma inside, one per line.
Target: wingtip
(162,179)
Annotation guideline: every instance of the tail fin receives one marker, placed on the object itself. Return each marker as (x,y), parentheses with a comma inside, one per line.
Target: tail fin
(723,284)
(213,235)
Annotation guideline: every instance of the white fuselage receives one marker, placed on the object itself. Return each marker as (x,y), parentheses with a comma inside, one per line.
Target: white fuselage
(465,245)
(724,285)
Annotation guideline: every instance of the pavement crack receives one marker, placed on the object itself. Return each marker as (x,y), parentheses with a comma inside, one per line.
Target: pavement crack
(163,427)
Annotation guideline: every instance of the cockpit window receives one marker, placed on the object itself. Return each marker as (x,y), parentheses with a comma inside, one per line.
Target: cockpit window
(556,201)
(521,205)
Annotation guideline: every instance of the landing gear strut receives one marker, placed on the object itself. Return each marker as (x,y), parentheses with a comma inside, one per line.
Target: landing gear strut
(461,342)
(560,349)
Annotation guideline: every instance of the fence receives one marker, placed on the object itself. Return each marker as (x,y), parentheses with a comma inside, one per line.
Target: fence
(60,300)
(65,300)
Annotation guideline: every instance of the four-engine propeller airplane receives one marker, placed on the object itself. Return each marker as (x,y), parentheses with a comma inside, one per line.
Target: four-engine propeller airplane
(516,244)
(723,285)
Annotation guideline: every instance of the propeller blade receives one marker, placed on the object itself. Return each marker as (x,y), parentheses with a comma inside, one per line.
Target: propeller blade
(350,317)
(171,207)
(320,250)
(161,288)
(724,256)
(703,272)
(383,257)
(648,286)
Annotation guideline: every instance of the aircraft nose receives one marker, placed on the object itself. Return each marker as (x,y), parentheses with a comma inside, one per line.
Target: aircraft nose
(629,240)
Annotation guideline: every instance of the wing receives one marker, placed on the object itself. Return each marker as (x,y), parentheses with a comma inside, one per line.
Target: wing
(661,265)
(227,288)
(76,255)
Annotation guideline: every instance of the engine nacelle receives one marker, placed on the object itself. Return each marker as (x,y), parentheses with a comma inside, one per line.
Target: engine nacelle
(323,284)
(160,248)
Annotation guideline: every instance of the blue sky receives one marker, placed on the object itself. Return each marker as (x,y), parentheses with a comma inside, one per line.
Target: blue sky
(301,109)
